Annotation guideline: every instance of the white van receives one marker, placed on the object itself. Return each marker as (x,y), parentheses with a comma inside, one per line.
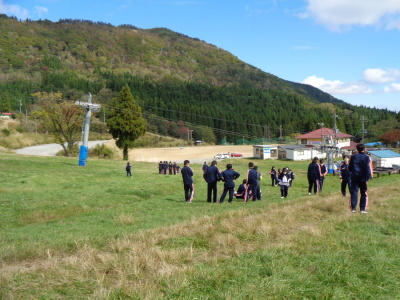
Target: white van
(221,156)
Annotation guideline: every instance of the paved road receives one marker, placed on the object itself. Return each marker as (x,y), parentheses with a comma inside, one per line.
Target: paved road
(50,149)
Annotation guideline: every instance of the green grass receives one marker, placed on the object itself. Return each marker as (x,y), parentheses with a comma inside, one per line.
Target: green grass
(110,236)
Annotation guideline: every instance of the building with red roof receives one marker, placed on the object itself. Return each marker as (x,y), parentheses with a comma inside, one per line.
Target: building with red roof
(325,137)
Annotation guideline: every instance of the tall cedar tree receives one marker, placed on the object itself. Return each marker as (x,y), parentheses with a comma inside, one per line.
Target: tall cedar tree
(63,119)
(125,120)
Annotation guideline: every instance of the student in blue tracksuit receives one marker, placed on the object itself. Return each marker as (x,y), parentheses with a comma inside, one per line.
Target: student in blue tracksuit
(228,177)
(345,175)
(252,182)
(314,176)
(204,167)
(212,175)
(324,171)
(128,169)
(259,178)
(274,178)
(361,170)
(188,184)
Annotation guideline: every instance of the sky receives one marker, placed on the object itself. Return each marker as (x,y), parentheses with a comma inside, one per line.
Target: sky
(347,48)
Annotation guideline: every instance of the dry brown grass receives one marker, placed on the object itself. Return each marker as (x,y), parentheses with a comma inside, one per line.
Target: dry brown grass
(140,263)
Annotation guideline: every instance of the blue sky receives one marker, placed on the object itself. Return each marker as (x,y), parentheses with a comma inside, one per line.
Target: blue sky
(349,49)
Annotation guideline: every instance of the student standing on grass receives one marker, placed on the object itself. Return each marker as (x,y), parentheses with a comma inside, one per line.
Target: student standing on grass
(324,171)
(259,178)
(212,175)
(274,178)
(228,177)
(361,170)
(345,176)
(188,184)
(205,166)
(128,170)
(251,182)
(170,168)
(284,181)
(314,176)
(160,167)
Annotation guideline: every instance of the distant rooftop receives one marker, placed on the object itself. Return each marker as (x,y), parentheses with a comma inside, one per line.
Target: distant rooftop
(385,153)
(317,134)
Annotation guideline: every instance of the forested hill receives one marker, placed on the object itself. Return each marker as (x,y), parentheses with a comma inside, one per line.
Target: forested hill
(172,76)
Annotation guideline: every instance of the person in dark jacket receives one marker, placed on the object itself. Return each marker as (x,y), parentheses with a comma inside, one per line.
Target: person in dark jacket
(324,171)
(314,176)
(291,175)
(128,169)
(204,167)
(212,175)
(284,181)
(228,177)
(252,182)
(188,184)
(170,166)
(242,190)
(259,178)
(274,178)
(160,167)
(345,175)
(361,170)
(165,167)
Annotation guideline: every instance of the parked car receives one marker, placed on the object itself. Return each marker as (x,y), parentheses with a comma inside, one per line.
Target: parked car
(221,156)
(236,155)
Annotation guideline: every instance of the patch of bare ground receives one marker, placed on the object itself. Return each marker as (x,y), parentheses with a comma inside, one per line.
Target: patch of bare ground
(139,263)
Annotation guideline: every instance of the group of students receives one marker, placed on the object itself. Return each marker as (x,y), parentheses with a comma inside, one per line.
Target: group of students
(282,178)
(168,168)
(355,172)
(249,189)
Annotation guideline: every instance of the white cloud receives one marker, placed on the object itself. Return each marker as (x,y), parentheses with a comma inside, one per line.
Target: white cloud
(337,87)
(394,87)
(13,10)
(339,14)
(381,76)
(40,10)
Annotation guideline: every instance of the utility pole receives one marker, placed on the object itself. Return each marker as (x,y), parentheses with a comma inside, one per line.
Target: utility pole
(20,106)
(363,131)
(280,132)
(89,106)
(26,116)
(322,137)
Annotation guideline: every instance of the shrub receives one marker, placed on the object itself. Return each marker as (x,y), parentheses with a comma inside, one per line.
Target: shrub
(101,151)
(6,131)
(74,153)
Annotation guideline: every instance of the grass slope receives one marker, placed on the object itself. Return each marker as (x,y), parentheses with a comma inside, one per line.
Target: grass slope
(68,232)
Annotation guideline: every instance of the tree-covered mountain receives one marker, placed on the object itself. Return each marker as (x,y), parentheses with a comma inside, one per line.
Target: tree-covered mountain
(172,76)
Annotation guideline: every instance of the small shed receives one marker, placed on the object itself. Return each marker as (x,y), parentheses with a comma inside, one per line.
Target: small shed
(299,152)
(385,158)
(265,151)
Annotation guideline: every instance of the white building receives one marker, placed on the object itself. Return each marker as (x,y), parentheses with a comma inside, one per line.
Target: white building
(299,152)
(385,158)
(265,151)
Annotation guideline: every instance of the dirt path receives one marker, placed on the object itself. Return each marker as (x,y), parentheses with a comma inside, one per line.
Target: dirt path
(197,154)
(50,149)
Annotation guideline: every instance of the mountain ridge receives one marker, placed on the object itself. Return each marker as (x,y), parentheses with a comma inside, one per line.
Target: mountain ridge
(164,69)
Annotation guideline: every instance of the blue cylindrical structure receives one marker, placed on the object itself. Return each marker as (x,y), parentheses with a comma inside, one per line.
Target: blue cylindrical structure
(83,153)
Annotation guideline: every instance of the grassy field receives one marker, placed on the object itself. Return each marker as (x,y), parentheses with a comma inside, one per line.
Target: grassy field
(69,232)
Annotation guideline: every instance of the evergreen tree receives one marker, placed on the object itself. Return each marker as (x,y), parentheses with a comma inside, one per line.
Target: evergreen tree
(125,120)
